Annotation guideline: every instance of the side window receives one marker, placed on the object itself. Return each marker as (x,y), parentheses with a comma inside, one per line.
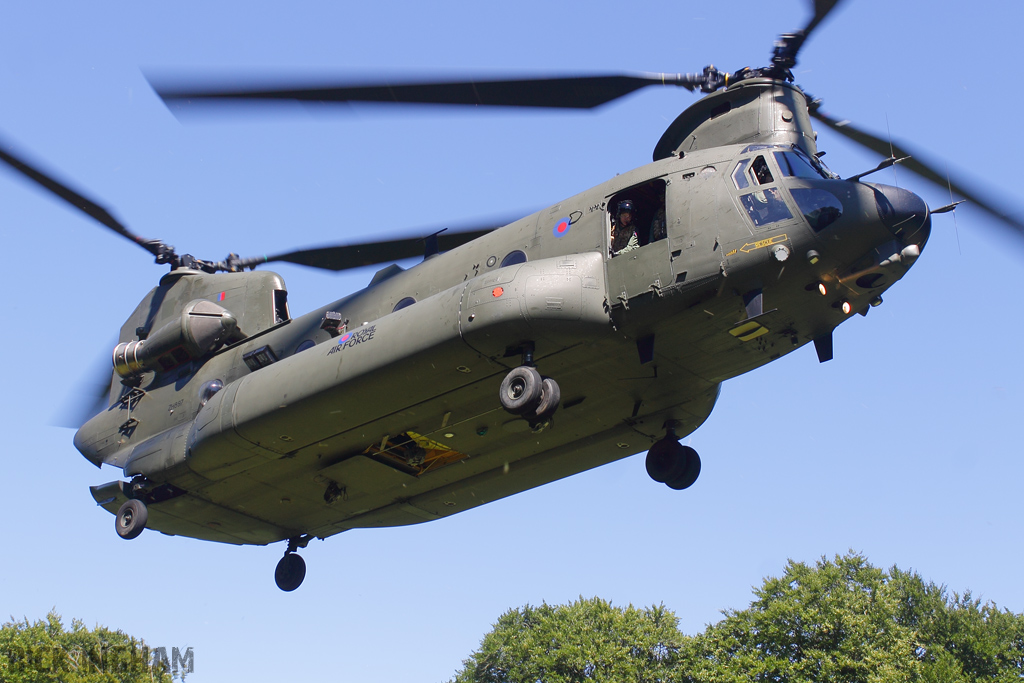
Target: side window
(281,306)
(636,217)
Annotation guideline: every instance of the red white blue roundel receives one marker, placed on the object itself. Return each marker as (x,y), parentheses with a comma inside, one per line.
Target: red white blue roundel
(561,228)
(344,338)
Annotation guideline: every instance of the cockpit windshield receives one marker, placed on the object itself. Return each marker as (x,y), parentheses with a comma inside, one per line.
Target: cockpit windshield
(794,165)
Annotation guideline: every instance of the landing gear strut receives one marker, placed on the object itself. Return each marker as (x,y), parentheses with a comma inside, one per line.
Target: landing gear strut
(291,569)
(673,464)
(131,519)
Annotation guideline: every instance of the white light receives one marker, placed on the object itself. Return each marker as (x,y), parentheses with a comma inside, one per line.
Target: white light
(847,307)
(821,288)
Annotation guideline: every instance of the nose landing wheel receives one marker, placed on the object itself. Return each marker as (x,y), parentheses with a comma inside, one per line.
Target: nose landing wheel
(673,464)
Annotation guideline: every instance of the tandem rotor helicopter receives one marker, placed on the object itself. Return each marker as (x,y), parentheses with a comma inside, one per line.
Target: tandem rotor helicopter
(734,247)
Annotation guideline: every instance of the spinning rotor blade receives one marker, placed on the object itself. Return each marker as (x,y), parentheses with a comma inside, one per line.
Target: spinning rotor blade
(87,206)
(571,92)
(789,44)
(346,256)
(89,397)
(927,171)
(821,10)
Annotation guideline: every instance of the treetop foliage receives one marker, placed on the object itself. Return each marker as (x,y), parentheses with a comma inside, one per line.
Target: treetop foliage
(46,652)
(840,620)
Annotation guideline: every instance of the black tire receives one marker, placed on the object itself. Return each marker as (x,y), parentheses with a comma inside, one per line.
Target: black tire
(690,473)
(665,460)
(550,397)
(131,519)
(290,572)
(521,390)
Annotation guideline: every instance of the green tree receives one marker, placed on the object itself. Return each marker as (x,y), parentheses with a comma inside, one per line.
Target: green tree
(845,620)
(587,640)
(842,620)
(46,652)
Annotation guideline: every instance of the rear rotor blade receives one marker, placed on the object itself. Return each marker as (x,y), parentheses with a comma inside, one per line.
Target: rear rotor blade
(918,165)
(570,92)
(88,398)
(346,256)
(80,202)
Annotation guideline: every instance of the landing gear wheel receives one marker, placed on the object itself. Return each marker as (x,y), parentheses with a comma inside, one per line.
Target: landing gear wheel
(290,572)
(521,389)
(131,519)
(690,472)
(550,397)
(665,460)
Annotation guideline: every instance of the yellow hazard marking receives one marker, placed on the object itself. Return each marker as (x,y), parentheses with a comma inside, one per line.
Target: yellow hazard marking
(730,253)
(748,331)
(761,244)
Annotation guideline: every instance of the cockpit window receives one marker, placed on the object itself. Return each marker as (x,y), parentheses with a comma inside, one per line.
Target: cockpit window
(760,172)
(738,176)
(795,166)
(765,206)
(819,207)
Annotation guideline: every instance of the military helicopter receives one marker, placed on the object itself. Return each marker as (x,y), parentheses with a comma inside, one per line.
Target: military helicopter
(223,406)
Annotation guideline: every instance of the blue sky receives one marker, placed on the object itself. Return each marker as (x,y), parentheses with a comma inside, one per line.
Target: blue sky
(905,447)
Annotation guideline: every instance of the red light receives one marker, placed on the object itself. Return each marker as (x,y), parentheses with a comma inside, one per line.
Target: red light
(497,291)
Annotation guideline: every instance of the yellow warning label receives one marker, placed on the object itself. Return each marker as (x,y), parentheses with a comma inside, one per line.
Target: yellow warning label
(761,244)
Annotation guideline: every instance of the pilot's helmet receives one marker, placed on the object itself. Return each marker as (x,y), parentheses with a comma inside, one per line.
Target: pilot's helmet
(626,205)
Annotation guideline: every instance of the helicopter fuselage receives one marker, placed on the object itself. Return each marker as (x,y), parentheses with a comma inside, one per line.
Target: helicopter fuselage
(381,408)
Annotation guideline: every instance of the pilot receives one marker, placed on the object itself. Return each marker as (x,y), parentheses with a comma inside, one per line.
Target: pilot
(624,229)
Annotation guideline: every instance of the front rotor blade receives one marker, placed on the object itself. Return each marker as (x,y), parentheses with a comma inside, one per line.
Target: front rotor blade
(83,204)
(789,44)
(916,164)
(821,10)
(573,92)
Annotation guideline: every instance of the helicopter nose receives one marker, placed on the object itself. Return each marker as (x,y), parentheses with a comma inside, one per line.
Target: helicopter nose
(903,213)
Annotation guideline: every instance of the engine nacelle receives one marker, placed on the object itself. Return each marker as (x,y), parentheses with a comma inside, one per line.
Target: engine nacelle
(202,328)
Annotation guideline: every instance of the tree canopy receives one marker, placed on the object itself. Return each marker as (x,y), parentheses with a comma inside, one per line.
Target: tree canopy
(46,652)
(841,620)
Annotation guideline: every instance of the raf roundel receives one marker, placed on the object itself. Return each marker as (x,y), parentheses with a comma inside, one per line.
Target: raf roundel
(561,228)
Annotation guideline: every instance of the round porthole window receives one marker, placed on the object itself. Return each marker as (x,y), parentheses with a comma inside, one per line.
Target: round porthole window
(513,258)
(208,389)
(308,344)
(404,303)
